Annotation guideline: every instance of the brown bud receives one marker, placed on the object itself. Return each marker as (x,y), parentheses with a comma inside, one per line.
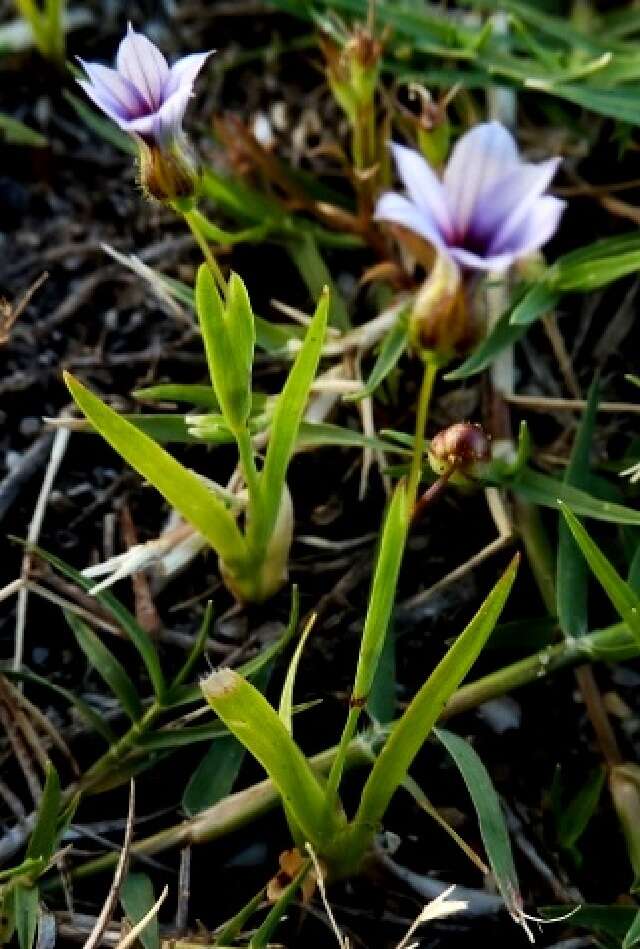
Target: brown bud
(439,321)
(624,784)
(167,174)
(461,446)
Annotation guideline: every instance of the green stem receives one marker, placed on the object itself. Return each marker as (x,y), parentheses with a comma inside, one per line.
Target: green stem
(249,470)
(422,414)
(193,219)
(118,752)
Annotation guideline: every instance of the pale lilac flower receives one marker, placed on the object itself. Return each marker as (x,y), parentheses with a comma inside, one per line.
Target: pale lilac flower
(488,210)
(143,95)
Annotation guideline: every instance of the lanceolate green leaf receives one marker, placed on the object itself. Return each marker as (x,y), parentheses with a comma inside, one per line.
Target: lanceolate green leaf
(410,733)
(392,348)
(256,724)
(493,828)
(287,417)
(137,898)
(503,334)
(571,569)
(624,599)
(549,492)
(107,666)
(26,899)
(182,489)
(44,838)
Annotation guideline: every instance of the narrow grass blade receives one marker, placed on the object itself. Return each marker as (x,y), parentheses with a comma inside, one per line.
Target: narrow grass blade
(107,666)
(392,348)
(632,936)
(44,839)
(304,252)
(493,828)
(181,488)
(196,651)
(287,418)
(571,569)
(574,818)
(549,492)
(623,598)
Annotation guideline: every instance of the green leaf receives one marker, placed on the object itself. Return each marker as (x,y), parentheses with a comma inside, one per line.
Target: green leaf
(248,715)
(228,333)
(286,420)
(623,598)
(17,133)
(203,396)
(535,303)
(549,492)
(381,705)
(91,717)
(613,921)
(571,569)
(632,936)
(413,728)
(214,777)
(314,434)
(195,652)
(493,828)
(27,911)
(598,264)
(573,819)
(139,638)
(137,898)
(392,348)
(105,128)
(182,489)
(107,666)
(503,334)
(285,710)
(304,252)
(44,839)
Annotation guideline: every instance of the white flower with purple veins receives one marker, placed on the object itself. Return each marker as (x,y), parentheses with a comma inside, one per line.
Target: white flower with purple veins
(489,209)
(143,95)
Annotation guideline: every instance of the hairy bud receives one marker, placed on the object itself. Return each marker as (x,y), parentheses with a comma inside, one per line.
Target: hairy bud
(167,174)
(624,784)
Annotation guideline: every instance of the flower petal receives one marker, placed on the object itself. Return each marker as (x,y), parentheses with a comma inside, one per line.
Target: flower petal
(423,186)
(184,72)
(111,91)
(396,209)
(478,161)
(142,63)
(503,209)
(534,230)
(493,263)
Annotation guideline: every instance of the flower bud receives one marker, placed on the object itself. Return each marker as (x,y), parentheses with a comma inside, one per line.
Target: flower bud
(439,321)
(353,70)
(168,174)
(463,447)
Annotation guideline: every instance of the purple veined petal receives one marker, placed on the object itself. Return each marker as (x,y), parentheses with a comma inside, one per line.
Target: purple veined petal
(115,90)
(478,161)
(142,63)
(539,226)
(423,186)
(168,118)
(492,263)
(105,103)
(184,72)
(502,210)
(396,209)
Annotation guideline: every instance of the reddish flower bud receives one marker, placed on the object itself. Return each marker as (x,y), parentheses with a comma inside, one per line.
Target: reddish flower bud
(463,446)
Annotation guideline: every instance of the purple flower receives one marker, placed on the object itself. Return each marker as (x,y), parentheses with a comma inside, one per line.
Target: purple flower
(490,207)
(143,95)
